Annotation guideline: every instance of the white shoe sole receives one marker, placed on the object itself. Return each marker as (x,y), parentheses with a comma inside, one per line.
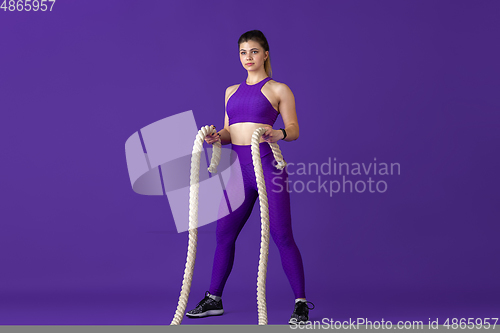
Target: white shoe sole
(207,313)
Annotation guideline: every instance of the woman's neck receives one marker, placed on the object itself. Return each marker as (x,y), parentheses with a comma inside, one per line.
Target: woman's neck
(254,78)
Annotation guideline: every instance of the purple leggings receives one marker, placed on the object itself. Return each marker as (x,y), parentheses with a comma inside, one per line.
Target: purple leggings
(280,222)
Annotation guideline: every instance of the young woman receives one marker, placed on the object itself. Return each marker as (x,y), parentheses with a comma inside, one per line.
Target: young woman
(254,103)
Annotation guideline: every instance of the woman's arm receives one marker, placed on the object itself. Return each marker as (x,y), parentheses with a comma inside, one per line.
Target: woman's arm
(224,134)
(289,115)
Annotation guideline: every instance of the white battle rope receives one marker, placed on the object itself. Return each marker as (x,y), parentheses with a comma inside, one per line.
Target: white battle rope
(193,217)
(194,187)
(264,216)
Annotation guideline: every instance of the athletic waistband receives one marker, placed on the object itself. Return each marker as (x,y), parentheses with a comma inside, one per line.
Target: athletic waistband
(245,152)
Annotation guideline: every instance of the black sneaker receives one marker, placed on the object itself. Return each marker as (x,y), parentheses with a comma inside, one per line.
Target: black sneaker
(300,314)
(206,307)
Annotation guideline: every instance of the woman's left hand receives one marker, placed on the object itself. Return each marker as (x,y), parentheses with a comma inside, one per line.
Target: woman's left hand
(271,135)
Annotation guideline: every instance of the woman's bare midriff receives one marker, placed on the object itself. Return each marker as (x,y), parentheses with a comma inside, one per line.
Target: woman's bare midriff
(241,133)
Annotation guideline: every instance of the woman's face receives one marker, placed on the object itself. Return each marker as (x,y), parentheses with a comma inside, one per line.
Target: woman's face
(252,55)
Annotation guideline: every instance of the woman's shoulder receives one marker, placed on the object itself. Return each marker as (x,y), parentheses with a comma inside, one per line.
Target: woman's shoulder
(278,87)
(232,88)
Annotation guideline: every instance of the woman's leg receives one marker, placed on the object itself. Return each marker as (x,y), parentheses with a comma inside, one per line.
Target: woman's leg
(228,229)
(280,223)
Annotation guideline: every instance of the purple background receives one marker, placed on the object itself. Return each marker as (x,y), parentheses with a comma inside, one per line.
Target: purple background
(413,82)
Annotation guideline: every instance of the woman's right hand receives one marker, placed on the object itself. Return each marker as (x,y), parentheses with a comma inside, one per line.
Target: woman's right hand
(212,138)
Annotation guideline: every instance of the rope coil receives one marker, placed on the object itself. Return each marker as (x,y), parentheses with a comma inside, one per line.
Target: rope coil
(193,217)
(264,216)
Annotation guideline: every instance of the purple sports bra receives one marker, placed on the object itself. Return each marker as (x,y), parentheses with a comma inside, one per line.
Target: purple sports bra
(248,104)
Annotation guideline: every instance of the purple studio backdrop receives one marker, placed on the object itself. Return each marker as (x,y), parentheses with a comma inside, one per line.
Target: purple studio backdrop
(411,84)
